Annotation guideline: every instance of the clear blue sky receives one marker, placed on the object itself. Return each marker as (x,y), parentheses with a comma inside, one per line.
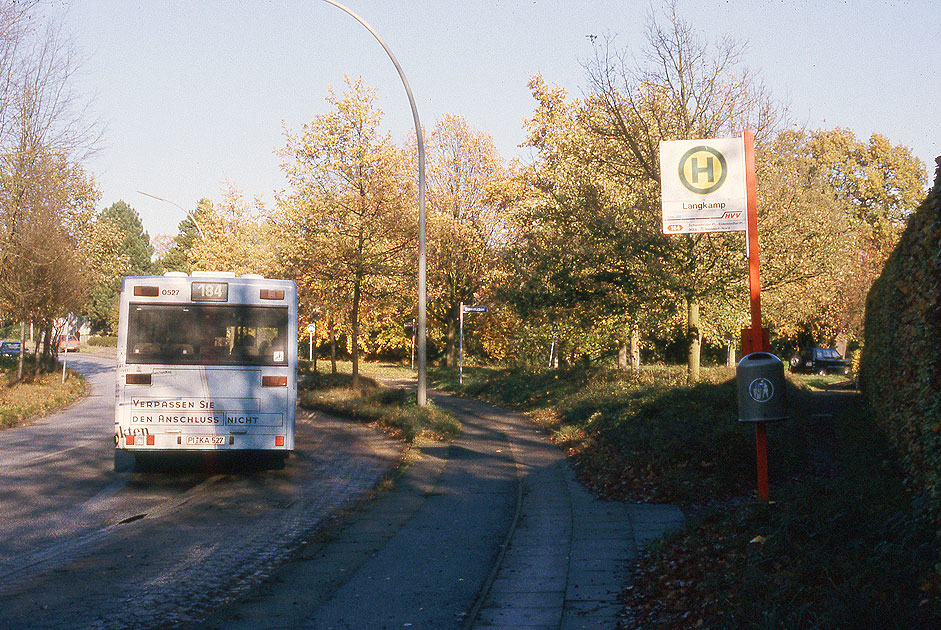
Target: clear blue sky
(195,92)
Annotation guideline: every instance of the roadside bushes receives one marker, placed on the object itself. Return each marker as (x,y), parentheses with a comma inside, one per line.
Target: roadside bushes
(900,371)
(103,341)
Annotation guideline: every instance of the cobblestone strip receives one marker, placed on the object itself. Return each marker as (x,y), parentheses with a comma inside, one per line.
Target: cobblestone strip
(178,562)
(186,591)
(211,577)
(48,557)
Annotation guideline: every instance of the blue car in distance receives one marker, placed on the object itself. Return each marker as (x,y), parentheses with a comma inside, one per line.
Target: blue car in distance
(9,348)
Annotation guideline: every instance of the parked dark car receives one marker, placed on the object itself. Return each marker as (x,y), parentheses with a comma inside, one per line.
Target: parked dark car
(9,348)
(820,361)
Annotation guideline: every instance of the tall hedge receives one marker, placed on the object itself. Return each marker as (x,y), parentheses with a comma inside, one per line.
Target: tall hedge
(900,371)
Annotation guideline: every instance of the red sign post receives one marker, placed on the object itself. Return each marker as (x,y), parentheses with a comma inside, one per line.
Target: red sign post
(706,186)
(755,339)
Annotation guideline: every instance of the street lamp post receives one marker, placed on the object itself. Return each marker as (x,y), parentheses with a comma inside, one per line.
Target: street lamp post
(189,214)
(422,298)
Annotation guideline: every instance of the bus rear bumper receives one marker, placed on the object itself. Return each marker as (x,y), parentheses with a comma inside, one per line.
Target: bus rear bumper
(218,460)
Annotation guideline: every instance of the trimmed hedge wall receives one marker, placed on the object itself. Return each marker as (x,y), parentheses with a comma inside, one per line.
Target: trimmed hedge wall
(901,368)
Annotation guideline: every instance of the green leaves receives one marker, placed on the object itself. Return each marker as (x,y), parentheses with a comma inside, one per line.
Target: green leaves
(122,249)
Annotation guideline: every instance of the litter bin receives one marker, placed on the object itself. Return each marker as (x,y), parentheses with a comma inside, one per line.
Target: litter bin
(761,390)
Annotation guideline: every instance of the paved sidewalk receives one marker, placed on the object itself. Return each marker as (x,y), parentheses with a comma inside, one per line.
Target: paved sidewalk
(570,552)
(491,531)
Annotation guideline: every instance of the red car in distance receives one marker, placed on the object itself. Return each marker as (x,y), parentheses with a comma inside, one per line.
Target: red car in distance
(67,343)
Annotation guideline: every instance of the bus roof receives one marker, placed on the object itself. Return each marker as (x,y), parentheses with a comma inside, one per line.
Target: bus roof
(202,275)
(212,288)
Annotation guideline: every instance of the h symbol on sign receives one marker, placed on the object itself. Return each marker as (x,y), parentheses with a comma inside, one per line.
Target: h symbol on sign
(696,170)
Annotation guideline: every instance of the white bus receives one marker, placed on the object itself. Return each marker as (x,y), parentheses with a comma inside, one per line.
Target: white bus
(207,363)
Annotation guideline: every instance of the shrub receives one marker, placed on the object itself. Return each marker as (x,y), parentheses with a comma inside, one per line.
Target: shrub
(900,370)
(103,341)
(394,409)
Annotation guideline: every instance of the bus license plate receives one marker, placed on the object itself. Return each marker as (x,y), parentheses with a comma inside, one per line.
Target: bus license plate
(205,439)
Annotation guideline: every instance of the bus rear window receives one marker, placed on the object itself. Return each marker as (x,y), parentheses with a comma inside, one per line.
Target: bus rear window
(202,334)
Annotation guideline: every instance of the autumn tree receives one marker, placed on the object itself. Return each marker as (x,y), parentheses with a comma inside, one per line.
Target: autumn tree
(52,254)
(831,209)
(14,24)
(234,235)
(681,87)
(571,262)
(46,199)
(347,227)
(466,223)
(883,183)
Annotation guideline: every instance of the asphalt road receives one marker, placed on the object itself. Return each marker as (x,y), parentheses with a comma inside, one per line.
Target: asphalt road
(490,531)
(82,546)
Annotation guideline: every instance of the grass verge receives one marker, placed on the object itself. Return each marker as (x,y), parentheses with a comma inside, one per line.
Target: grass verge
(636,437)
(844,545)
(395,410)
(20,402)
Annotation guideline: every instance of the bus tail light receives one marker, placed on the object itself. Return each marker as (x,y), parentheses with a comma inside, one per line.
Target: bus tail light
(279,440)
(271,294)
(151,440)
(274,381)
(129,440)
(146,291)
(137,379)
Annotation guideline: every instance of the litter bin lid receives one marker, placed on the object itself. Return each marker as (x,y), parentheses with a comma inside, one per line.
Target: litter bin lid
(758,357)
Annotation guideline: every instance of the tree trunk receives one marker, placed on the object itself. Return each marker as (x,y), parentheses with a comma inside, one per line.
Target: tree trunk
(842,341)
(333,346)
(554,348)
(22,357)
(50,350)
(694,337)
(635,348)
(354,324)
(42,358)
(313,351)
(622,356)
(730,360)
(37,354)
